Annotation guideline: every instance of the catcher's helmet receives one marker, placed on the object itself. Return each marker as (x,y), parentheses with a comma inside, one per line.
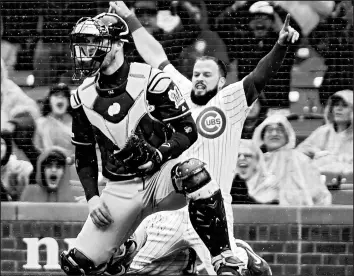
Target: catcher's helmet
(91,40)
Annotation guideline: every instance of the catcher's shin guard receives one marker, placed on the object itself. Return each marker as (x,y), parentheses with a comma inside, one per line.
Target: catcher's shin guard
(209,220)
(207,213)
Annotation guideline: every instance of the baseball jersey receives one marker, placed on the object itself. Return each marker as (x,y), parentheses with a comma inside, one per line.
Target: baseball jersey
(219,124)
(163,241)
(148,100)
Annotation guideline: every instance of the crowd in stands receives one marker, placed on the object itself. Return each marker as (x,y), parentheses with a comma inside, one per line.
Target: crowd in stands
(272,168)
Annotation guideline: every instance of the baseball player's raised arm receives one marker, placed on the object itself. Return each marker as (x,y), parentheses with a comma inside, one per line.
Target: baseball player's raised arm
(148,47)
(85,150)
(269,65)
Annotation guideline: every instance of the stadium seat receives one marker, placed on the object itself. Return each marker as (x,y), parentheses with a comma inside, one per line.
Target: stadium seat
(305,124)
(341,197)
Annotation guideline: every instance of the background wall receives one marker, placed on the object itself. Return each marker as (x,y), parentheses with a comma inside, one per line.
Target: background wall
(295,241)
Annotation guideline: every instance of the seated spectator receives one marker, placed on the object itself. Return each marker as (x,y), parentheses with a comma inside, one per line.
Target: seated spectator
(252,184)
(18,115)
(53,179)
(331,145)
(15,173)
(298,180)
(54,128)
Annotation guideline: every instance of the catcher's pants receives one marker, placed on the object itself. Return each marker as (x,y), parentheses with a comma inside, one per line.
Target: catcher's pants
(129,202)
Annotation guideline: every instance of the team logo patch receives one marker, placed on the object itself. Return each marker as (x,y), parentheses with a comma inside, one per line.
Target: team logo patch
(114,109)
(211,122)
(176,96)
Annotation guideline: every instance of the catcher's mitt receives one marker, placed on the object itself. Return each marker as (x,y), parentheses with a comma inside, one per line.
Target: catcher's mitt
(135,153)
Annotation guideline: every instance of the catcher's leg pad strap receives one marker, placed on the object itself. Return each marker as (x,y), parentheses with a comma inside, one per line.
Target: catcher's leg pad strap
(208,218)
(75,263)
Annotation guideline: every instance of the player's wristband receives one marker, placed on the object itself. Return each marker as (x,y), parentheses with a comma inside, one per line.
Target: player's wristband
(164,64)
(133,23)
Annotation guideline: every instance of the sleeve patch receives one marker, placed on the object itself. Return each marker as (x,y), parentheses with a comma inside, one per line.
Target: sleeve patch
(176,96)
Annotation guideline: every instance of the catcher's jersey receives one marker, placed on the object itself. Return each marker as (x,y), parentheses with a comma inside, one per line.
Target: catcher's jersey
(148,100)
(219,125)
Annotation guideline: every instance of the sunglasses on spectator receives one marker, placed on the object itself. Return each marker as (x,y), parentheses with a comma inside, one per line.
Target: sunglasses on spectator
(145,11)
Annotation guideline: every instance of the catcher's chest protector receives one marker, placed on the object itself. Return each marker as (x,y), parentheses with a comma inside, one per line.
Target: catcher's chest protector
(119,116)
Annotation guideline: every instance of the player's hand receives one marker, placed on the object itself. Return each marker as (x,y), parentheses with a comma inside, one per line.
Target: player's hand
(287,34)
(99,212)
(153,164)
(120,8)
(146,166)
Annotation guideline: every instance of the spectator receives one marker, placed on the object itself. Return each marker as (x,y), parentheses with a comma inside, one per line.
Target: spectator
(9,51)
(52,61)
(14,173)
(19,21)
(54,128)
(307,14)
(298,180)
(13,99)
(181,41)
(205,41)
(146,12)
(53,179)
(331,145)
(252,184)
(214,8)
(18,115)
(333,40)
(249,34)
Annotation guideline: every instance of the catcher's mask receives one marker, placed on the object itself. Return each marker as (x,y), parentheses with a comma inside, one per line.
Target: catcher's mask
(91,39)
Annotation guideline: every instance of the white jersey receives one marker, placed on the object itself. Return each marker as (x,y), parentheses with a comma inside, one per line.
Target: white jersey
(163,239)
(219,125)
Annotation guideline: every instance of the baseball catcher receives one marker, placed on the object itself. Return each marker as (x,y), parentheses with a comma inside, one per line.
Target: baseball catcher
(140,121)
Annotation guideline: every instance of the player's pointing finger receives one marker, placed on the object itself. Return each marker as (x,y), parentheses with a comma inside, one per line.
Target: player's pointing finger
(287,21)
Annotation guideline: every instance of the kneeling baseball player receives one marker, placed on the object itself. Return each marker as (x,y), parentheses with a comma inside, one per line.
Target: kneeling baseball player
(165,243)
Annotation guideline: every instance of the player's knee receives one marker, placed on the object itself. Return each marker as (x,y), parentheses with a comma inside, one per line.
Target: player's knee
(190,176)
(76,263)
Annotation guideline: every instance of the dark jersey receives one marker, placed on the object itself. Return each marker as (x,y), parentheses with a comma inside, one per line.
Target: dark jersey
(104,115)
